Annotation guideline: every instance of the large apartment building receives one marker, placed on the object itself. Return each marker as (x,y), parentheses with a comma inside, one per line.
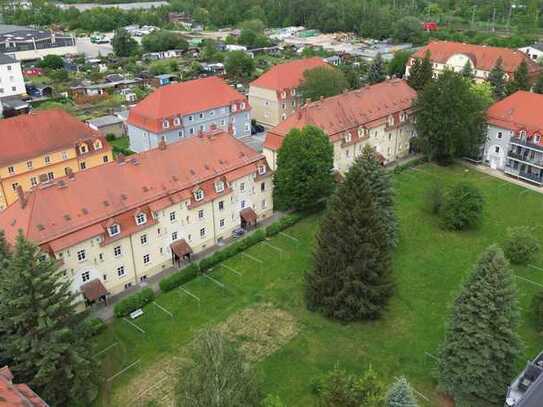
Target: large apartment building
(514,142)
(274,95)
(482,58)
(40,147)
(185,109)
(12,82)
(379,115)
(116,225)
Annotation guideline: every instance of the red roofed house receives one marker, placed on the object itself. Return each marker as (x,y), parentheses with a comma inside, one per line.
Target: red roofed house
(187,108)
(17,395)
(39,147)
(116,225)
(514,141)
(273,96)
(482,58)
(377,115)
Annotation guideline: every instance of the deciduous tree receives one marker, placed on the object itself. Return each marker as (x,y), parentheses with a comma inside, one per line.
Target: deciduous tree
(239,65)
(123,44)
(322,81)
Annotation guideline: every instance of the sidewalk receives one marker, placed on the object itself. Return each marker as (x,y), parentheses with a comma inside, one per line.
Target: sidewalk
(504,177)
(105,312)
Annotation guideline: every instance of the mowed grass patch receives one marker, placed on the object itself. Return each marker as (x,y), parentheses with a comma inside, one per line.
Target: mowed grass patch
(429,267)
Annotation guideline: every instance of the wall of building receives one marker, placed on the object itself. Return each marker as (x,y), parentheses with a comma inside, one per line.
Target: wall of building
(496,146)
(11,80)
(192,124)
(40,53)
(269,109)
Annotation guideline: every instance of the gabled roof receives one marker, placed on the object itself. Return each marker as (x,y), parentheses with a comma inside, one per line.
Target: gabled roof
(520,111)
(6,59)
(28,136)
(288,75)
(180,99)
(347,111)
(60,213)
(17,395)
(483,57)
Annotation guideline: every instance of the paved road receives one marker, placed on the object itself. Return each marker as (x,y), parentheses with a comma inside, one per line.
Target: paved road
(255,141)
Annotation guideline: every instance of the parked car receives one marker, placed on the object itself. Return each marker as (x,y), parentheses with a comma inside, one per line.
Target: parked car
(256,128)
(238,232)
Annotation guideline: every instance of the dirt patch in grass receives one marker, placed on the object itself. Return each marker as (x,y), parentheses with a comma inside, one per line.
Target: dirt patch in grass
(260,330)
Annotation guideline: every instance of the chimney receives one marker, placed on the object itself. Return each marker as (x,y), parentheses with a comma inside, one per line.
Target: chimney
(70,173)
(307,101)
(162,144)
(321,98)
(21,196)
(345,91)
(120,159)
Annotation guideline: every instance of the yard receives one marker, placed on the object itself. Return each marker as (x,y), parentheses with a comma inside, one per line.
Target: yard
(257,299)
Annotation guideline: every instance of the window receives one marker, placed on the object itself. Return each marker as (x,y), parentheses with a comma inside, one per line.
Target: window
(50,176)
(347,137)
(263,204)
(497,149)
(64,155)
(81,255)
(97,145)
(262,187)
(202,127)
(234,108)
(261,169)
(85,276)
(222,122)
(14,186)
(221,223)
(146,259)
(499,136)
(172,216)
(191,130)
(176,121)
(199,195)
(242,186)
(141,218)
(67,171)
(120,271)
(101,257)
(165,124)
(127,286)
(33,181)
(174,236)
(9,67)
(117,251)
(29,164)
(293,103)
(143,239)
(219,186)
(212,113)
(83,148)
(201,115)
(201,214)
(114,230)
(242,203)
(242,106)
(11,170)
(83,165)
(202,232)
(283,106)
(221,205)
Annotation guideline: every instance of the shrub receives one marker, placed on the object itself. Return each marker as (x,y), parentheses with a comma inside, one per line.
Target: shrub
(434,198)
(282,224)
(179,278)
(462,207)
(133,302)
(521,246)
(92,327)
(110,137)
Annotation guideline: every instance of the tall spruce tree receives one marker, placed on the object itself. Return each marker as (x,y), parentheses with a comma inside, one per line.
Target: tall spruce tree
(421,72)
(39,323)
(377,71)
(400,394)
(538,87)
(481,343)
(351,275)
(467,71)
(496,78)
(521,80)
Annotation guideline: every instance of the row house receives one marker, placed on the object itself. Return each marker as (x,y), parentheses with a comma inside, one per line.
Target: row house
(117,225)
(185,109)
(514,142)
(42,146)
(454,56)
(379,115)
(274,95)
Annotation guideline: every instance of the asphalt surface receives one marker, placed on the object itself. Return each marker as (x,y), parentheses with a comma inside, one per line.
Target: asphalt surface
(255,141)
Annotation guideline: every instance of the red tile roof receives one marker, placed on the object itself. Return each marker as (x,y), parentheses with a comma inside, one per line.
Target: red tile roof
(288,75)
(28,136)
(484,57)
(72,210)
(368,106)
(17,395)
(520,111)
(179,99)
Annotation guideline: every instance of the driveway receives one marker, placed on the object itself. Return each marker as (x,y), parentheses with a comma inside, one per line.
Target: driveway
(255,141)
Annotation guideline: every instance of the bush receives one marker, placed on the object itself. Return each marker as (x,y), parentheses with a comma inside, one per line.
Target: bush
(462,207)
(284,223)
(179,278)
(434,198)
(521,246)
(110,137)
(92,327)
(133,302)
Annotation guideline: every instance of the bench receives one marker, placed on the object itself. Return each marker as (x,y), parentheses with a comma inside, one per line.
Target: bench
(137,313)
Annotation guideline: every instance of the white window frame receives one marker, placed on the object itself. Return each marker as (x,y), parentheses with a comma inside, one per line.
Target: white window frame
(117,251)
(219,186)
(146,258)
(81,255)
(261,169)
(144,240)
(85,276)
(199,195)
(121,272)
(141,219)
(114,230)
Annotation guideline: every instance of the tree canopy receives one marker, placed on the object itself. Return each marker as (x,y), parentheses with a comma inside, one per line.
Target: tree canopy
(497,80)
(376,71)
(322,81)
(396,66)
(239,65)
(408,29)
(421,73)
(123,44)
(51,62)
(163,40)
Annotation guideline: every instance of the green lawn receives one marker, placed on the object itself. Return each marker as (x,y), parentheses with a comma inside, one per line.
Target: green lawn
(429,266)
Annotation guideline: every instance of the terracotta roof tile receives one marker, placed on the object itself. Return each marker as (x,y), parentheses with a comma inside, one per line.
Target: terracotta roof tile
(28,136)
(17,395)
(288,75)
(183,98)
(484,57)
(367,106)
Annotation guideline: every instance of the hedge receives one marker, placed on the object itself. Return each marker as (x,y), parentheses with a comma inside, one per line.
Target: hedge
(179,278)
(133,302)
(285,222)
(410,164)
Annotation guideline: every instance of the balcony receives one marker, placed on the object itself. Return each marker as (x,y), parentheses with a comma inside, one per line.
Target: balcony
(527,176)
(524,157)
(525,143)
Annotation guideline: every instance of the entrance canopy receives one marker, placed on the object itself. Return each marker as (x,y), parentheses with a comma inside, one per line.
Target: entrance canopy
(181,248)
(248,215)
(93,290)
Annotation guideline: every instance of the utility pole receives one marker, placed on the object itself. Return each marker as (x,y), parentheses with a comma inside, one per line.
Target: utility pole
(494,20)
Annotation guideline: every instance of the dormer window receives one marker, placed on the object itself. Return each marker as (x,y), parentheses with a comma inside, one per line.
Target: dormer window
(165,124)
(176,121)
(403,116)
(347,137)
(199,195)
(83,148)
(390,120)
(242,106)
(261,169)
(361,131)
(114,230)
(219,186)
(97,145)
(141,218)
(283,95)
(523,133)
(537,138)
(234,108)
(293,92)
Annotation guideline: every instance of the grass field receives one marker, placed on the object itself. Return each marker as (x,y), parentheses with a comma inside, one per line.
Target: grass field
(429,266)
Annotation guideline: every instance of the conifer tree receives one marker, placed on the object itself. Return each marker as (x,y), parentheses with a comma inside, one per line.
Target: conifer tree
(421,72)
(377,72)
(400,394)
(38,322)
(496,78)
(467,71)
(481,343)
(521,80)
(538,87)
(351,275)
